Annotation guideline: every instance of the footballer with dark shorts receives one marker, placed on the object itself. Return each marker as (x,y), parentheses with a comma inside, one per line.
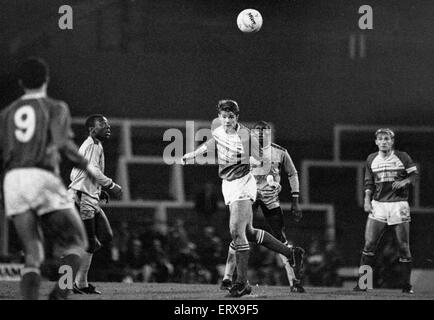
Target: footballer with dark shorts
(268,188)
(35,130)
(388,175)
(88,194)
(235,145)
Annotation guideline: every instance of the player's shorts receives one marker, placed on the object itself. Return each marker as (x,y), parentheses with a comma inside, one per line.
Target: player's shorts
(390,212)
(243,188)
(86,205)
(34,189)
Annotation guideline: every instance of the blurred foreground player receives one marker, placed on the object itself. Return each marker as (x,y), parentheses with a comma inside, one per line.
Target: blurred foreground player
(87,195)
(235,145)
(34,130)
(267,199)
(388,175)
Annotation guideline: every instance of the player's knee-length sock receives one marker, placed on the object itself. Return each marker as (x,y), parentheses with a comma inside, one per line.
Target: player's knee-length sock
(405,264)
(72,260)
(231,262)
(242,255)
(367,259)
(267,240)
(81,279)
(30,282)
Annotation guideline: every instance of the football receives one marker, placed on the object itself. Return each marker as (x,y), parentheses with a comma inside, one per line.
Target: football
(249,20)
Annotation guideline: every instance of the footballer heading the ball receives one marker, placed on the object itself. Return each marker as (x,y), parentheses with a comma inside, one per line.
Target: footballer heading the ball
(249,21)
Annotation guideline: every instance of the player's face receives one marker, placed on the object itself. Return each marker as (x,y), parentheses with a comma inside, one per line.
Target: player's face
(229,120)
(102,129)
(384,142)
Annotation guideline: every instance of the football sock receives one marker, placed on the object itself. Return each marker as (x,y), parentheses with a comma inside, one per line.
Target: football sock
(242,257)
(30,282)
(405,264)
(81,279)
(231,262)
(270,242)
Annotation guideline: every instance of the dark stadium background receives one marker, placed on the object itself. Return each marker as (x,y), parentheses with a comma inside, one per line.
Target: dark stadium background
(175,59)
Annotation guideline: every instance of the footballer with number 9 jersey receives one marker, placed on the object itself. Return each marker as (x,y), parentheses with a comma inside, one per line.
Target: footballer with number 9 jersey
(34,131)
(235,145)
(388,175)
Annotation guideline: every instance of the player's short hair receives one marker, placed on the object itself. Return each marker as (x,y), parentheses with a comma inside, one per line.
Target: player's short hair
(33,73)
(262,125)
(387,131)
(90,121)
(228,106)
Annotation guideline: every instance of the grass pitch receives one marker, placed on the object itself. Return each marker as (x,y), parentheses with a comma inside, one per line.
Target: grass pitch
(179,291)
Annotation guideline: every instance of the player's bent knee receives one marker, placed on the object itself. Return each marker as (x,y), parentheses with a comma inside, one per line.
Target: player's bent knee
(251,236)
(74,244)
(234,233)
(77,250)
(34,260)
(65,251)
(34,254)
(369,247)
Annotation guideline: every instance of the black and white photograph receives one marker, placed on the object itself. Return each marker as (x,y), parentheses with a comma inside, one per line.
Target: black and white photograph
(216,154)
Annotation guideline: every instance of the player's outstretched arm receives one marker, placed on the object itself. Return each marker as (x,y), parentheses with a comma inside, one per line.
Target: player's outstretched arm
(191,155)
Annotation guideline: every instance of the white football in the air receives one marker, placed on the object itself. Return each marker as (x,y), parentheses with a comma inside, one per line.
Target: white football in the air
(249,20)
